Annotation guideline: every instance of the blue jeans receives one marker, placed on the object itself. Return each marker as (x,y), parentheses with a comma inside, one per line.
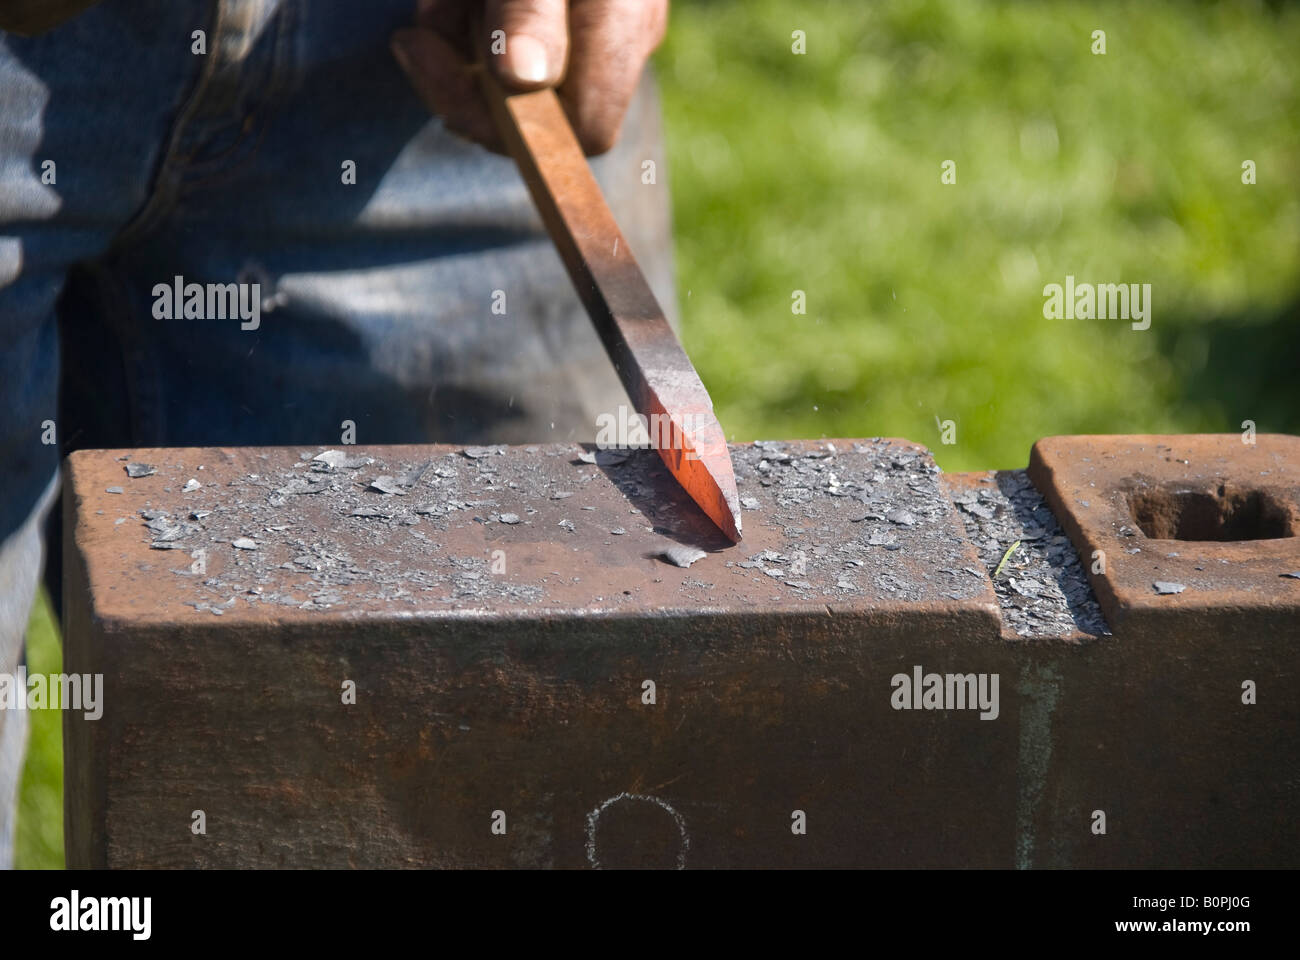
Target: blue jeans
(421,303)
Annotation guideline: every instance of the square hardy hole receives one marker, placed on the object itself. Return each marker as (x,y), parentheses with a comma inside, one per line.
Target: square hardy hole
(1221,514)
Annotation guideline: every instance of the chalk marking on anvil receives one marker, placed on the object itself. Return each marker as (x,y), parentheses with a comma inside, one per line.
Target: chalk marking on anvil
(1038,690)
(594,816)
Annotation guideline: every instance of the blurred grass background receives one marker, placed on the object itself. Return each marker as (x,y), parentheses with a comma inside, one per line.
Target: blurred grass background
(821,172)
(39,844)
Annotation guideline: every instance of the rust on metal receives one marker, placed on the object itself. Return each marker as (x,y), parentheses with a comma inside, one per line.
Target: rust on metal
(657,373)
(359,657)
(1181,532)
(502,665)
(292,533)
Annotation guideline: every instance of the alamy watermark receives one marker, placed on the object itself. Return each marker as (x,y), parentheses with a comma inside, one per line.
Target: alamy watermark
(179,300)
(946,691)
(628,429)
(53,691)
(1102,301)
(75,913)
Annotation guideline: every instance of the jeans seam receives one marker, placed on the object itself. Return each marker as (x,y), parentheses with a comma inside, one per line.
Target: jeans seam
(213,171)
(163,191)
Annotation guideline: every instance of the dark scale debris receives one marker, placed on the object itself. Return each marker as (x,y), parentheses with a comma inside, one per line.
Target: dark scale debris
(364,547)
(1042,587)
(387,485)
(865,523)
(681,556)
(344,531)
(330,460)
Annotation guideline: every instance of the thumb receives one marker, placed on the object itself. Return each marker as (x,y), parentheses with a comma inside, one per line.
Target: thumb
(527,42)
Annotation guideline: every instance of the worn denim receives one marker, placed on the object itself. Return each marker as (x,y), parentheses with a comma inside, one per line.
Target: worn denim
(377,298)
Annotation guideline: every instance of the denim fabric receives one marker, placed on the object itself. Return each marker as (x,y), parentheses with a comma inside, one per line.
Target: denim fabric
(377,298)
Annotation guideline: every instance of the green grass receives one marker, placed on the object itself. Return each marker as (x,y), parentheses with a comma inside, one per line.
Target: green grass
(40,804)
(821,173)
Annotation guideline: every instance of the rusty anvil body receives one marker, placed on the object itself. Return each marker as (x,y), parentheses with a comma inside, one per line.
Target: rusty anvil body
(533,685)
